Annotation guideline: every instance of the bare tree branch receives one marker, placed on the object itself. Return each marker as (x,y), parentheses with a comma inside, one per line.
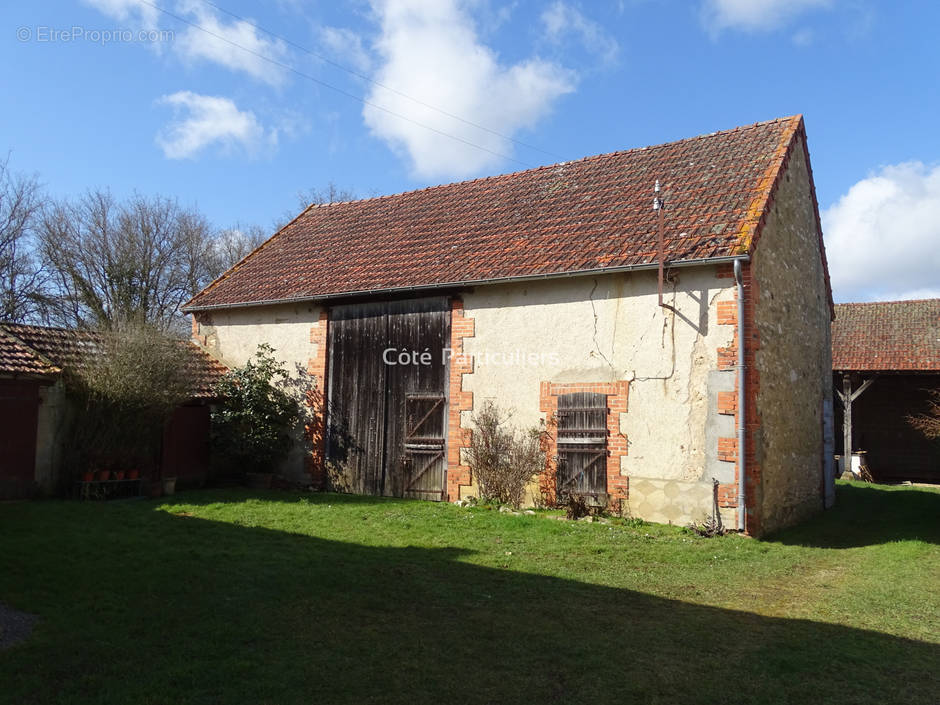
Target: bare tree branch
(121,264)
(928,422)
(232,245)
(331,193)
(22,277)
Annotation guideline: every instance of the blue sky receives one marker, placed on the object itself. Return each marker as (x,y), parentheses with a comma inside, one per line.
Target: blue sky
(183,99)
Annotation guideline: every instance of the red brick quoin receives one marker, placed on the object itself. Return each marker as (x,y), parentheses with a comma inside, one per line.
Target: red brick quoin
(617,397)
(461,328)
(728,401)
(316,430)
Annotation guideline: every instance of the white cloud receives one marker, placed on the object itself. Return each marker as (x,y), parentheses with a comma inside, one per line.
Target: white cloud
(204,120)
(347,45)
(234,45)
(908,294)
(883,236)
(754,15)
(430,51)
(140,13)
(561,20)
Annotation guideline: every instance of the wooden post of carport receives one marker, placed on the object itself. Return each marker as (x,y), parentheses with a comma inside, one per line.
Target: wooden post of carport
(847,396)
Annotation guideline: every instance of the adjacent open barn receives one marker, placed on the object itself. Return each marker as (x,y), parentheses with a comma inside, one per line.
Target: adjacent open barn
(885,364)
(681,354)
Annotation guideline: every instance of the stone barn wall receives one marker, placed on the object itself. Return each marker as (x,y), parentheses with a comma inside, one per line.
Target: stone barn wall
(790,340)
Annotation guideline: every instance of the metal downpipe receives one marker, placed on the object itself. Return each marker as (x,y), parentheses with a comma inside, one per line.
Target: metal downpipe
(742,408)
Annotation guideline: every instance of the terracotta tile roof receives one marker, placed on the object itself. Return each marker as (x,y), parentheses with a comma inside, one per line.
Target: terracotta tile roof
(17,359)
(207,371)
(65,347)
(591,214)
(888,336)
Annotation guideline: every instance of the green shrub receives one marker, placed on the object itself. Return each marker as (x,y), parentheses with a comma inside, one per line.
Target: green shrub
(253,426)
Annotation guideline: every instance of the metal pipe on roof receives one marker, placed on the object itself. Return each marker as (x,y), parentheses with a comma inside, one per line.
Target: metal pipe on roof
(742,397)
(659,205)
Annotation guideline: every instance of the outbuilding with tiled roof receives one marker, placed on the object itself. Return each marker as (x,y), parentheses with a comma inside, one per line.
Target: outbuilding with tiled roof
(885,363)
(561,293)
(34,407)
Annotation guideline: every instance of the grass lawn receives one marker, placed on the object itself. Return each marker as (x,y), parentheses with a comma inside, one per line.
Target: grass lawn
(269,597)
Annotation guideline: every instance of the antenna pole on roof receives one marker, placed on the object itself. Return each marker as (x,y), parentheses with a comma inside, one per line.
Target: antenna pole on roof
(659,207)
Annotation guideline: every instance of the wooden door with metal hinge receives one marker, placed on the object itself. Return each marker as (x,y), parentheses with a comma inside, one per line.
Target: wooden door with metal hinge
(424,448)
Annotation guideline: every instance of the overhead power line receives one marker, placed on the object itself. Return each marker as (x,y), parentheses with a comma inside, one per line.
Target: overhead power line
(336,89)
(379,84)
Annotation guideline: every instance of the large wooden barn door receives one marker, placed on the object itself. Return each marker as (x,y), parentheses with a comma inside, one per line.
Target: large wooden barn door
(387,396)
(416,393)
(357,381)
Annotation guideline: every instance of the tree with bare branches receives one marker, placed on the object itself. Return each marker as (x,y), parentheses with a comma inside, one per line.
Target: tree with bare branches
(231,245)
(331,193)
(99,262)
(124,263)
(22,277)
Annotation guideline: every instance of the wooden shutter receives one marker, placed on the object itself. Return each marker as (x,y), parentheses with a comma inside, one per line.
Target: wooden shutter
(582,446)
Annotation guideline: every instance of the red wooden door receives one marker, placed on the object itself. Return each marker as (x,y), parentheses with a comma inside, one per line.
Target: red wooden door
(186,446)
(19,409)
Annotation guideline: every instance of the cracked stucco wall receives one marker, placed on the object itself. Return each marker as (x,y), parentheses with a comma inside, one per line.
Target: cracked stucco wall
(583,330)
(793,359)
(610,328)
(233,335)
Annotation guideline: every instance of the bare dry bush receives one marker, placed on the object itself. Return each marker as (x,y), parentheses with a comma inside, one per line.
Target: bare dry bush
(502,458)
(123,393)
(577,506)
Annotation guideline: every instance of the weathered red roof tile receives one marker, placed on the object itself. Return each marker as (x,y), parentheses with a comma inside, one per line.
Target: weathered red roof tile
(17,359)
(890,336)
(590,214)
(60,348)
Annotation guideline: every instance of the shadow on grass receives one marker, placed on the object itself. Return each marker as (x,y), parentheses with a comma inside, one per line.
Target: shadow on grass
(866,515)
(141,606)
(234,495)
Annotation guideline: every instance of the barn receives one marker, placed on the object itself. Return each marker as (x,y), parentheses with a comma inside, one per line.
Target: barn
(681,353)
(885,363)
(34,411)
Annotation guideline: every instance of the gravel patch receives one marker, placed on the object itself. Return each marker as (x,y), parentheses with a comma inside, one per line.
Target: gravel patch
(15,626)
